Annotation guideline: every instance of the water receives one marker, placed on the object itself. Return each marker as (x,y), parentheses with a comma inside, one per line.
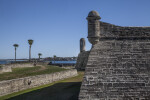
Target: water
(17,60)
(64,62)
(56,62)
(4,62)
(9,61)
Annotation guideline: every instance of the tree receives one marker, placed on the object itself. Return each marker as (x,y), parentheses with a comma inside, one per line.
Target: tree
(15,45)
(54,58)
(39,55)
(30,41)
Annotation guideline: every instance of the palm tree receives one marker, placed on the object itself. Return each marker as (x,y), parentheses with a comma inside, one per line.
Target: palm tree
(39,55)
(30,41)
(54,58)
(15,45)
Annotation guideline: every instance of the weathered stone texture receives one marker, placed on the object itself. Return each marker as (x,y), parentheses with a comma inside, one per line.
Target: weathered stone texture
(4,69)
(118,66)
(109,30)
(117,70)
(15,85)
(82,45)
(93,27)
(82,60)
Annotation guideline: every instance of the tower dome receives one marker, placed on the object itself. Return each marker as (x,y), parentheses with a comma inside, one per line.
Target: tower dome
(93,14)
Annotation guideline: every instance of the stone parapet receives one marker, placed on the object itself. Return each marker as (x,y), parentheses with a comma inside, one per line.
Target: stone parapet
(113,31)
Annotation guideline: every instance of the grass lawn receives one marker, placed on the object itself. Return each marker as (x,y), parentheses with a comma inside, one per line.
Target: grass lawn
(30,71)
(67,89)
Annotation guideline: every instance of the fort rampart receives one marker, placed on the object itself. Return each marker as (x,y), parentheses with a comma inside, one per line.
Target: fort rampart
(118,66)
(15,85)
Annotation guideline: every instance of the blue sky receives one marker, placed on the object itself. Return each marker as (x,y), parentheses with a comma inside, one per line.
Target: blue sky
(56,26)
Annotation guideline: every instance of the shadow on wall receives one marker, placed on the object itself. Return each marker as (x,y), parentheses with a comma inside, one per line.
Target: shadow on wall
(59,91)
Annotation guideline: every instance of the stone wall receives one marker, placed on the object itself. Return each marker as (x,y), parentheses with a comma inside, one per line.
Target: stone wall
(4,69)
(15,85)
(20,65)
(118,32)
(82,60)
(118,66)
(8,67)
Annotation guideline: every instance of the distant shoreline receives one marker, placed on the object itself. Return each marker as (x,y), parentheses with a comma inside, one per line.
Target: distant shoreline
(52,61)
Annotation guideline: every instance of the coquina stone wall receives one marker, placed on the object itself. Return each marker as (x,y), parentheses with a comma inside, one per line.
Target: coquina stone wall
(20,65)
(110,31)
(118,66)
(8,67)
(5,69)
(15,85)
(82,60)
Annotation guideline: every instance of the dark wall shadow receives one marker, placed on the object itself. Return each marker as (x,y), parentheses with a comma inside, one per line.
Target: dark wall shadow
(58,91)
